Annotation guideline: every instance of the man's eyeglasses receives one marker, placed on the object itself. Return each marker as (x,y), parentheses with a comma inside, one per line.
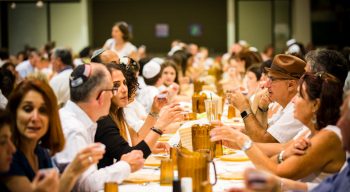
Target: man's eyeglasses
(114,92)
(272,79)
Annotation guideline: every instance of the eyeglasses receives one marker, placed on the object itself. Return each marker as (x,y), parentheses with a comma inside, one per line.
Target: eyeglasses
(114,92)
(272,79)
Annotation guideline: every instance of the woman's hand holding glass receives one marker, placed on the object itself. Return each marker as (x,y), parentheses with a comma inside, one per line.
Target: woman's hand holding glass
(159,101)
(231,137)
(169,114)
(85,158)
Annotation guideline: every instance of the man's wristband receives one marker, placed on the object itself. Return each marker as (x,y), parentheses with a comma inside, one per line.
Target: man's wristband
(263,110)
(153,114)
(160,132)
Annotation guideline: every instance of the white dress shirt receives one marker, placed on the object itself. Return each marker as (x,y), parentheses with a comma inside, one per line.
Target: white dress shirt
(60,85)
(283,126)
(135,115)
(79,131)
(24,69)
(147,95)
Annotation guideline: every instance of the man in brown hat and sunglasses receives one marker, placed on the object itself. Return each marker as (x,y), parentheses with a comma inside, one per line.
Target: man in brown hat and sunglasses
(282,83)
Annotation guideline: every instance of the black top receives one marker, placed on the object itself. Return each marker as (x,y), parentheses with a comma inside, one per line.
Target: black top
(108,133)
(20,165)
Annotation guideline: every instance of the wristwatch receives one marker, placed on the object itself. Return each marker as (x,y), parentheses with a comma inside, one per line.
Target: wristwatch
(247,144)
(245,113)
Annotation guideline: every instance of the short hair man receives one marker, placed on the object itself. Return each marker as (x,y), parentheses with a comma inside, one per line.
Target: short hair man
(282,84)
(91,91)
(151,73)
(330,61)
(27,67)
(62,64)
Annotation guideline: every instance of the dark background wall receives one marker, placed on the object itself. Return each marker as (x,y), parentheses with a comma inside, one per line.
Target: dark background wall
(143,15)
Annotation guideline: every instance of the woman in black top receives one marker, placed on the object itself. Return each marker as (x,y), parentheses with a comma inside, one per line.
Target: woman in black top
(113,130)
(37,135)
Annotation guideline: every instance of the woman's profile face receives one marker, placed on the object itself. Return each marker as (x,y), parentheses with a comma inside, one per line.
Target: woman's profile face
(7,149)
(168,75)
(121,99)
(32,118)
(117,33)
(304,107)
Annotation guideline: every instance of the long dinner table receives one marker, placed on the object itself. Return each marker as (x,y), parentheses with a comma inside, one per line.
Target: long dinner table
(232,169)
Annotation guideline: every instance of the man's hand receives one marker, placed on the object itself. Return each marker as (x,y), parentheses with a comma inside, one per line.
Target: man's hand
(135,159)
(239,101)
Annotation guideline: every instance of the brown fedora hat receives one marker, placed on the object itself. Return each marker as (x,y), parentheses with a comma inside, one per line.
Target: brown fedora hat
(286,66)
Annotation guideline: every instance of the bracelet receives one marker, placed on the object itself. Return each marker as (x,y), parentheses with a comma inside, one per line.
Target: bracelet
(247,144)
(263,110)
(280,157)
(158,131)
(153,114)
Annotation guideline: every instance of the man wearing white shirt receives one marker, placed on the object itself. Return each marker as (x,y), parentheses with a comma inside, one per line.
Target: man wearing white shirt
(282,84)
(91,90)
(62,63)
(152,75)
(28,66)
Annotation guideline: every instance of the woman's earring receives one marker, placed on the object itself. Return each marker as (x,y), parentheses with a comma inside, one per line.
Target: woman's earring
(314,119)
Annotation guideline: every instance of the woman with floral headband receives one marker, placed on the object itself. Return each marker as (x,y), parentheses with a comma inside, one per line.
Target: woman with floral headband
(115,133)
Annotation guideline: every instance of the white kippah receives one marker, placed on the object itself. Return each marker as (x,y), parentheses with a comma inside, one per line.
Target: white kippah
(151,69)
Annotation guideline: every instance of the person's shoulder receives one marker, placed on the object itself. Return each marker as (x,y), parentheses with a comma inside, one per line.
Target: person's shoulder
(22,65)
(60,78)
(130,46)
(105,126)
(327,137)
(109,42)
(105,121)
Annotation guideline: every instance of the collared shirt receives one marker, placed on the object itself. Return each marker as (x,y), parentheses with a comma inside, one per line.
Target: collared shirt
(135,115)
(283,126)
(24,69)
(60,85)
(79,131)
(147,95)
(339,182)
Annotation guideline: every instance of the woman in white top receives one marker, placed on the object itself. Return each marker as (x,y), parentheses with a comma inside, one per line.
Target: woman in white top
(317,107)
(120,41)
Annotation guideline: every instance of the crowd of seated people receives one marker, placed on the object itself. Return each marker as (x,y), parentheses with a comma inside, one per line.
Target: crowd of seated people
(72,123)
